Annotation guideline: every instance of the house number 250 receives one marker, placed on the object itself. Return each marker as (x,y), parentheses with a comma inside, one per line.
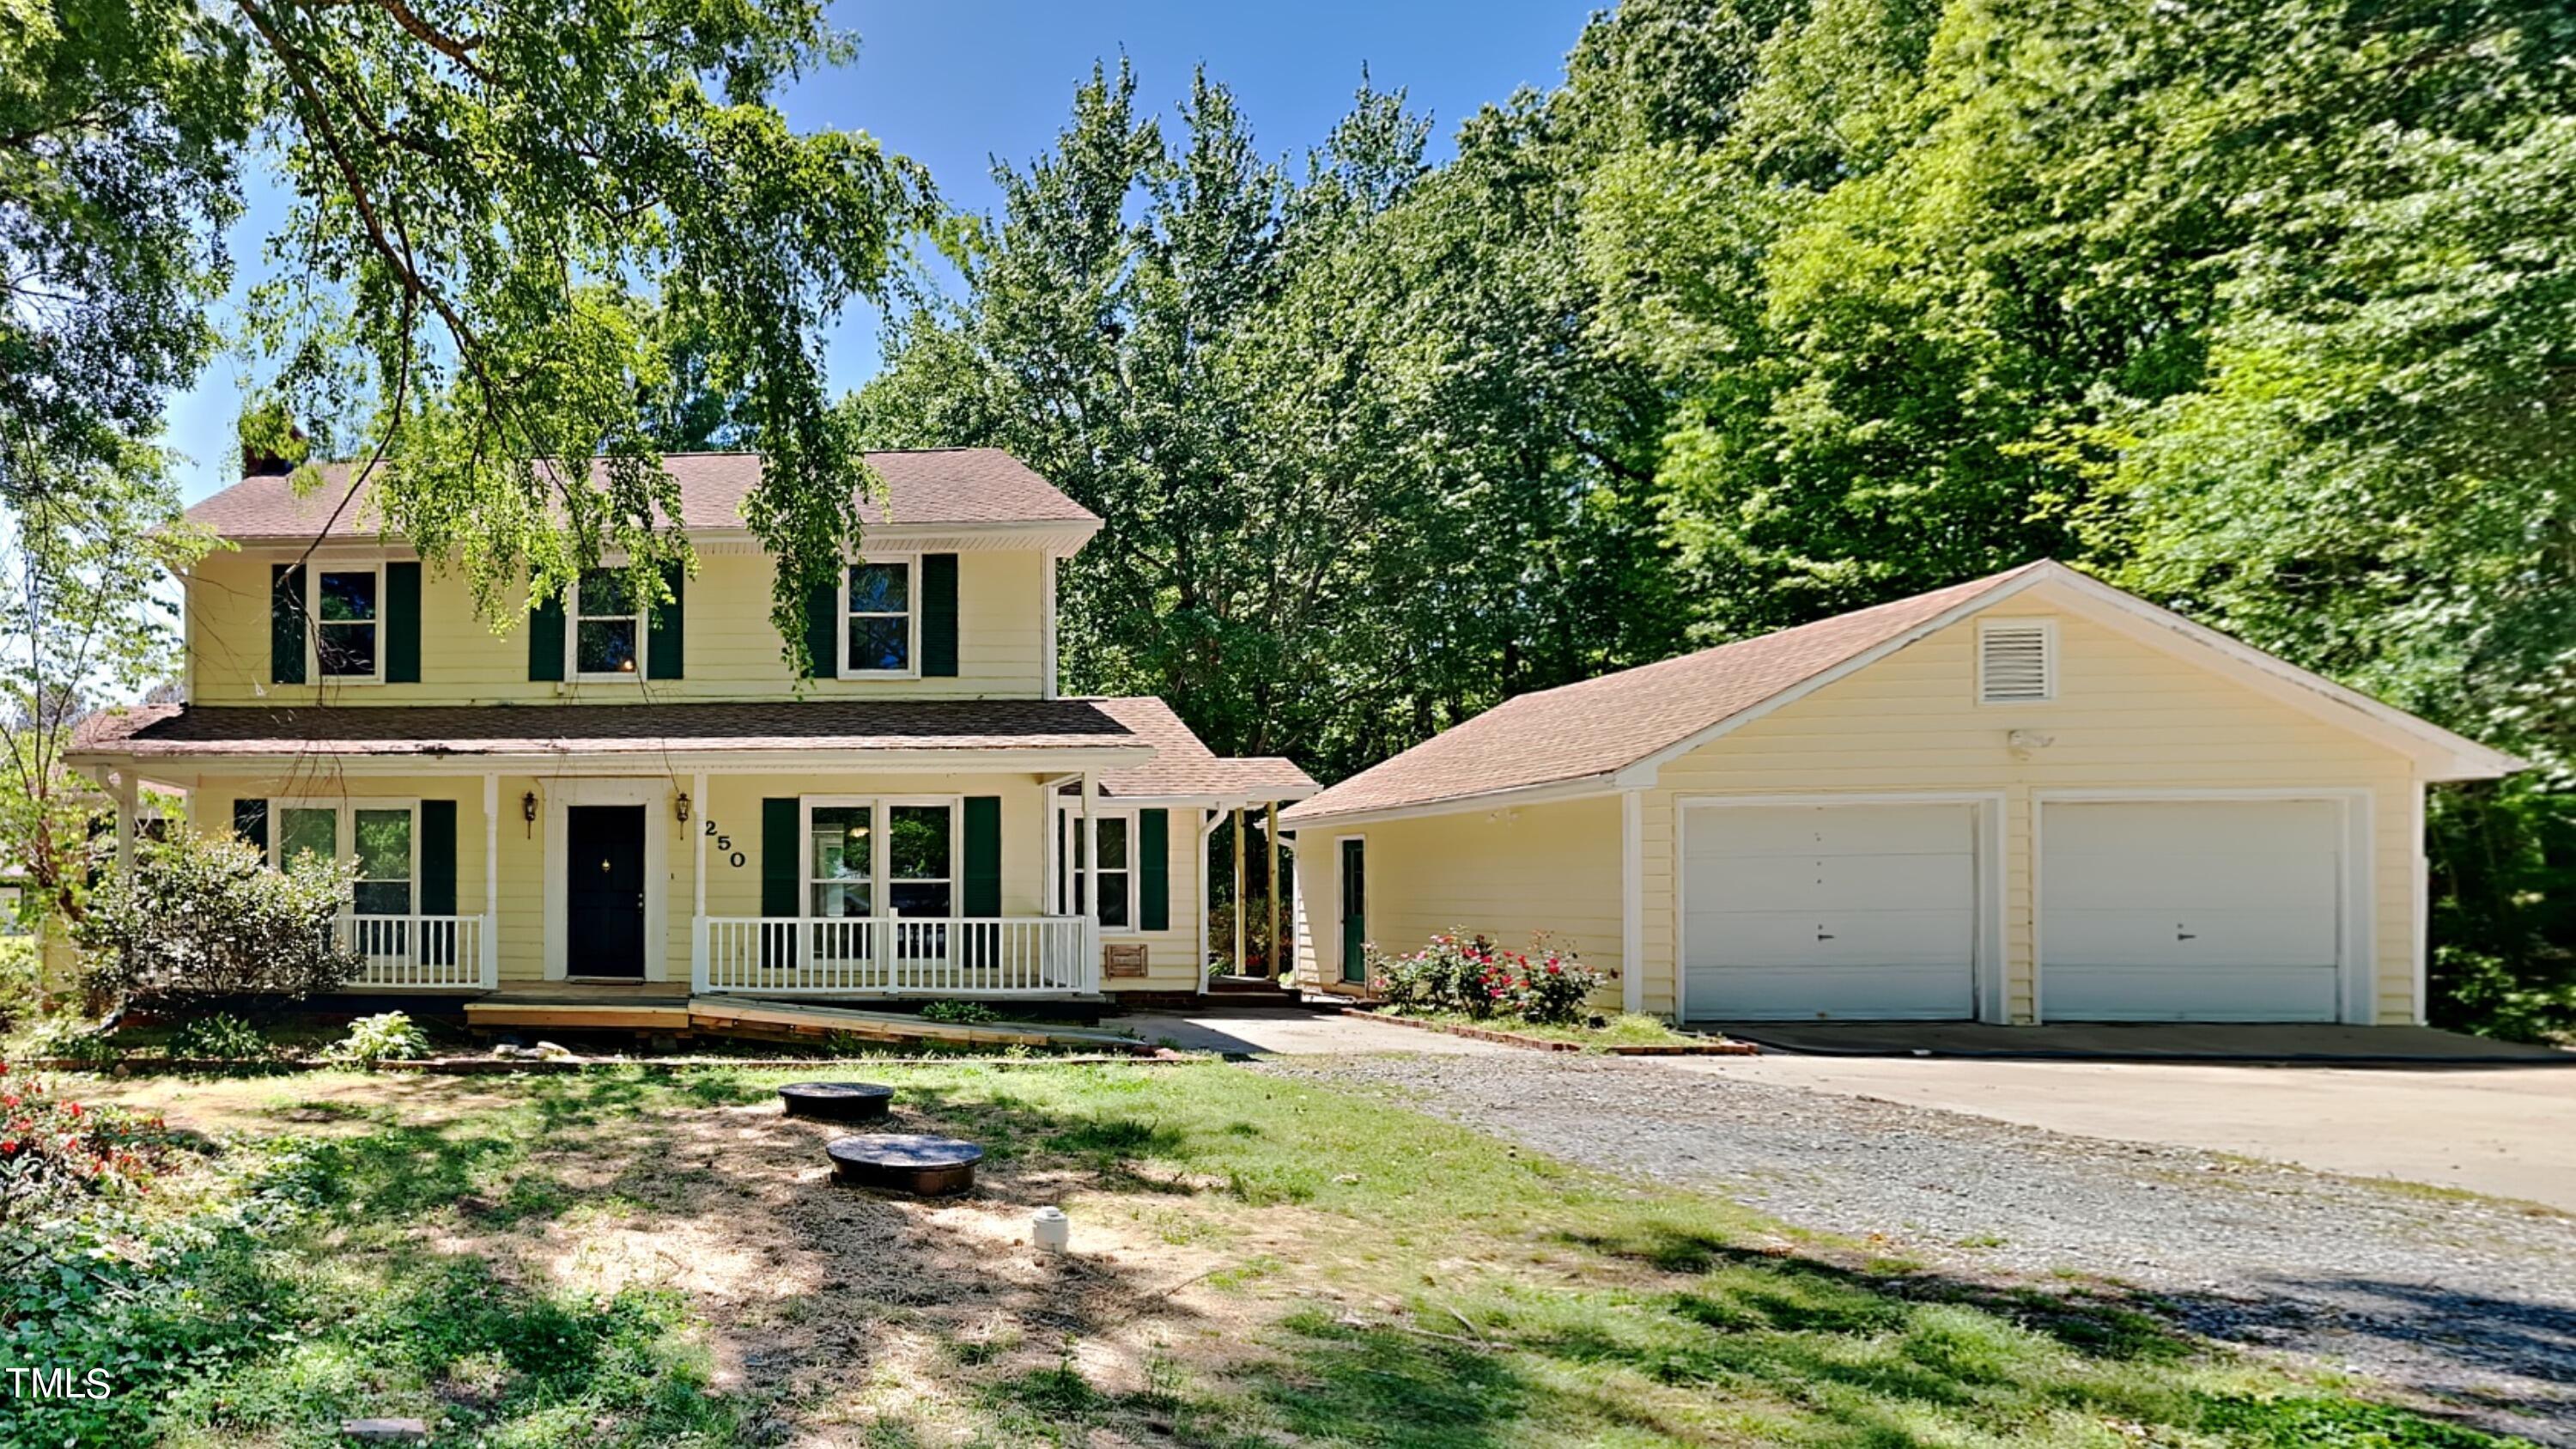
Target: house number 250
(724,844)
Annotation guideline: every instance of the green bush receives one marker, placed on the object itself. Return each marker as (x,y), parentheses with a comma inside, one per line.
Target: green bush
(222,1037)
(72,1038)
(204,922)
(22,970)
(387,1037)
(958,1013)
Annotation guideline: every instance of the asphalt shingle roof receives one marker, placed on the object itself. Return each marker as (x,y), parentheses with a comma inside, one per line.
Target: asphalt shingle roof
(1184,766)
(1603,725)
(924,486)
(209,731)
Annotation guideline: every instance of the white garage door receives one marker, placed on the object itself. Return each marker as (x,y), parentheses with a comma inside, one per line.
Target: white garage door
(1843,911)
(2198,911)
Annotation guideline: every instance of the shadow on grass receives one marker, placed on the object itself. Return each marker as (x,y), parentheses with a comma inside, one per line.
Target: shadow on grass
(1653,1326)
(1778,1291)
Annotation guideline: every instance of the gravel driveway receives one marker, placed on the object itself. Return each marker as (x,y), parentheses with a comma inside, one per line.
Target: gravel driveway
(2466,1299)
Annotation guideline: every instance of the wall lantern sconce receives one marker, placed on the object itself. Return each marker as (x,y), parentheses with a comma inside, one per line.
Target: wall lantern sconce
(682,804)
(528,812)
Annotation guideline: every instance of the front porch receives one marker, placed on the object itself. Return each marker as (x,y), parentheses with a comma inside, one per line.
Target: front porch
(892,956)
(839,850)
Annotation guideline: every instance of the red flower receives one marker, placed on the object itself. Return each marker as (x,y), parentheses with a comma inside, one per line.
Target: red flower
(72,1107)
(8,1144)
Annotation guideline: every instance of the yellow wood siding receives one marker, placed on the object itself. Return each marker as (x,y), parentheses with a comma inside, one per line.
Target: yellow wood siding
(1511,875)
(2126,717)
(732,802)
(732,650)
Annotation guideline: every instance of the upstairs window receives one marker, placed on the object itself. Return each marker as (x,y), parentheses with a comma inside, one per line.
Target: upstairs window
(607,626)
(2016,661)
(346,618)
(878,619)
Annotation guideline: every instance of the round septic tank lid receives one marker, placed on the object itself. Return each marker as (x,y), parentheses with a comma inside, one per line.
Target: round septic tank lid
(836,1101)
(905,1162)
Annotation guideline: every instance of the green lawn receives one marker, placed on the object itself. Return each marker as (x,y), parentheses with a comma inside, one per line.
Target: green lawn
(628,1259)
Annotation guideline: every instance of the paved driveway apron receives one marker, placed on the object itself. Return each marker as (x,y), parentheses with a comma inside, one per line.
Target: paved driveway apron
(2468,1299)
(2503,1131)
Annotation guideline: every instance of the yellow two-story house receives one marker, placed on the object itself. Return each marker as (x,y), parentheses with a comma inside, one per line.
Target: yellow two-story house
(645,797)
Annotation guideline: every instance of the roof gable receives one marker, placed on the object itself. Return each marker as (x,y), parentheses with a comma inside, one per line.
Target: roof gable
(966,487)
(1615,731)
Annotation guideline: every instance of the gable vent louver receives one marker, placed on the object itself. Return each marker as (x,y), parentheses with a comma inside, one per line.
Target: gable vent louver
(2013,664)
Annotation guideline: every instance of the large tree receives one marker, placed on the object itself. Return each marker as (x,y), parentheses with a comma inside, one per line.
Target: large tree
(84,623)
(1339,416)
(2262,309)
(487,201)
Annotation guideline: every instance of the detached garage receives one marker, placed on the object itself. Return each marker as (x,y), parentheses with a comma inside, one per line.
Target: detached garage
(2030,797)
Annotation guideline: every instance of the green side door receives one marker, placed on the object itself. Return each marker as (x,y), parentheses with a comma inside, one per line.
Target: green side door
(1354,912)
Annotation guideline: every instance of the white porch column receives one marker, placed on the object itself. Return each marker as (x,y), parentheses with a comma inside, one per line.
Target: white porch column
(1208,819)
(1632,900)
(491,963)
(1091,880)
(125,810)
(1240,969)
(698,977)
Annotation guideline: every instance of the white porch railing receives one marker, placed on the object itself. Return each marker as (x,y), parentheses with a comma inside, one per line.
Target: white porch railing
(432,951)
(897,955)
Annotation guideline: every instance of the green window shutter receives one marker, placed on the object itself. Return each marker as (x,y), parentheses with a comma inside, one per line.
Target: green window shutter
(402,623)
(250,823)
(546,639)
(665,647)
(438,857)
(780,822)
(939,615)
(983,855)
(823,631)
(1154,870)
(285,624)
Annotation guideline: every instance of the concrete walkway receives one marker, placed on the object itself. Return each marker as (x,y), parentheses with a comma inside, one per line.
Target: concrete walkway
(2499,1130)
(1290,1031)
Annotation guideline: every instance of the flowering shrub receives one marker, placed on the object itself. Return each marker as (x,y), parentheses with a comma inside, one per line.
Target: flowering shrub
(1463,973)
(53,1149)
(1442,976)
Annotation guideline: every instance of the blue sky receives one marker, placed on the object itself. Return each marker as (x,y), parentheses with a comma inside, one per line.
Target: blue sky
(954,84)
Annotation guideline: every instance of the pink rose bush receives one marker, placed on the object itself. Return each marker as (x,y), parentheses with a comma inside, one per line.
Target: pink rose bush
(1469,974)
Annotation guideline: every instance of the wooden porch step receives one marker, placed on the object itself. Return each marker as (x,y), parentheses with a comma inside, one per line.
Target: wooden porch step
(1247,986)
(719,1013)
(581,1015)
(581,1007)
